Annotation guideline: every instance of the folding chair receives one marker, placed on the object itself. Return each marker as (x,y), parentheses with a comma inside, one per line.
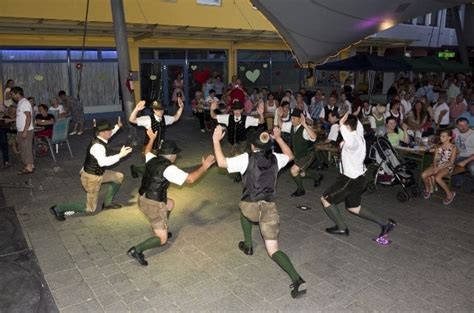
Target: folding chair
(60,135)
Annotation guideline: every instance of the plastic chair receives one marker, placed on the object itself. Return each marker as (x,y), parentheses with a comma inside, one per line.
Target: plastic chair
(60,135)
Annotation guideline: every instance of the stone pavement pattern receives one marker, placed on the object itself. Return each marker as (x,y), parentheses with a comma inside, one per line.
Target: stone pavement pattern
(428,268)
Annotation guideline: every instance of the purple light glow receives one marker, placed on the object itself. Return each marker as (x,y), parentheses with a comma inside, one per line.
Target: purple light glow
(368,23)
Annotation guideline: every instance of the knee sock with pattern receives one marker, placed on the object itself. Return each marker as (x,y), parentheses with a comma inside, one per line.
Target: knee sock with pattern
(335,215)
(247,230)
(113,189)
(285,263)
(150,243)
(299,181)
(371,216)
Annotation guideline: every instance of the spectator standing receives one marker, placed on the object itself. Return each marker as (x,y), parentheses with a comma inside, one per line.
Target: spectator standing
(57,109)
(441,112)
(77,112)
(25,130)
(7,97)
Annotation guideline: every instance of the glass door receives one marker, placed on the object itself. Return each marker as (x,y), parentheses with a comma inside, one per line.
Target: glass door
(175,84)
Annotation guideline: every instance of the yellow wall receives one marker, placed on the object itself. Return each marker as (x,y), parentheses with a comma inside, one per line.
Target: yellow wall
(237,14)
(232,13)
(76,41)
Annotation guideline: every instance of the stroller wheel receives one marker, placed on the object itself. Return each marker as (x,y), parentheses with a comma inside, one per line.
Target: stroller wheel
(371,187)
(415,192)
(403,196)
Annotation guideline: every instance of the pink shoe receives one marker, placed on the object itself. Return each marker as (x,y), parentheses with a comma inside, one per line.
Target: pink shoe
(426,194)
(448,201)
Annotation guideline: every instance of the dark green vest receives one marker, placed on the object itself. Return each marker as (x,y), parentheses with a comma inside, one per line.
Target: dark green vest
(300,146)
(154,184)
(91,165)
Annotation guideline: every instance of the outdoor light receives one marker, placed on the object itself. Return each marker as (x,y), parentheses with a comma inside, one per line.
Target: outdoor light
(386,24)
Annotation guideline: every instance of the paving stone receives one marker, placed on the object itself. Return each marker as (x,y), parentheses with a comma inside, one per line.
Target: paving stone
(108,298)
(72,295)
(117,307)
(64,278)
(90,306)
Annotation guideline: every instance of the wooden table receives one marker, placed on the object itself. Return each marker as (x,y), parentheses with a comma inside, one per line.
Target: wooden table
(332,150)
(422,156)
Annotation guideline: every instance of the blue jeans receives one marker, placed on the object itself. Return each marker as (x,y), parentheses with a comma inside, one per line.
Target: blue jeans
(458,180)
(4,144)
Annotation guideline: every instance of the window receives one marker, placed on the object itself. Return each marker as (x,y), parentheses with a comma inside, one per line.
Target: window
(108,54)
(434,19)
(88,54)
(210,2)
(33,55)
(420,20)
(449,18)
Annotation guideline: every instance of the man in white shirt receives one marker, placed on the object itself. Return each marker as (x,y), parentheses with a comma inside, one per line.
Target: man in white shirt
(158,122)
(25,130)
(153,198)
(94,174)
(441,112)
(237,125)
(259,171)
(302,138)
(211,98)
(352,182)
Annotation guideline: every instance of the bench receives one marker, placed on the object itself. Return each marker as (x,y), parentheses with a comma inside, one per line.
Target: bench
(458,170)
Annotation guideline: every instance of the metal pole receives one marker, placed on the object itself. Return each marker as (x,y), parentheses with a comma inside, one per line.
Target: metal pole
(460,35)
(123,57)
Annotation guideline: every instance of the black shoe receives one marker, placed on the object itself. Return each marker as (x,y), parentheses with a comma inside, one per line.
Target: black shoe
(388,227)
(170,235)
(318,181)
(298,288)
(244,249)
(134,172)
(336,231)
(237,178)
(111,206)
(298,193)
(133,253)
(58,216)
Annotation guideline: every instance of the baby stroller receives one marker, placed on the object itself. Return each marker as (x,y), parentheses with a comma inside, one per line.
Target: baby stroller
(388,170)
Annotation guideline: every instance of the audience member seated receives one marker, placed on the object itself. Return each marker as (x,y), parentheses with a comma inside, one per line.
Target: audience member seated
(271,106)
(57,109)
(377,119)
(46,120)
(443,165)
(464,141)
(344,105)
(418,120)
(301,105)
(469,115)
(457,106)
(395,134)
(441,112)
(395,111)
(406,102)
(334,134)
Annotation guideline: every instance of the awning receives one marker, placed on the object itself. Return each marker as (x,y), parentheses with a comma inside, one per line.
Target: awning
(365,62)
(433,64)
(317,29)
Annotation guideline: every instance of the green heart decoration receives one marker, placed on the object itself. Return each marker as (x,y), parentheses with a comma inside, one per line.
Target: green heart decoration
(193,67)
(253,75)
(242,68)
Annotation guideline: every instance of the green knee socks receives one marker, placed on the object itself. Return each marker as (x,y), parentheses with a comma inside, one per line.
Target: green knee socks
(371,216)
(299,181)
(77,207)
(113,189)
(150,243)
(247,229)
(284,261)
(335,215)
(139,170)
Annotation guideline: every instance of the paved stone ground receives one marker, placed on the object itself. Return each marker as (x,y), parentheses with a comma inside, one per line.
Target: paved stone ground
(428,268)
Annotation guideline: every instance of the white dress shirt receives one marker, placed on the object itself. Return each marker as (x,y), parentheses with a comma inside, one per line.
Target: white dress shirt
(172,173)
(145,120)
(249,121)
(239,164)
(99,152)
(353,151)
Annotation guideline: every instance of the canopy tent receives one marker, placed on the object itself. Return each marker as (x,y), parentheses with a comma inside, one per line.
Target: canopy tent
(365,62)
(432,64)
(317,29)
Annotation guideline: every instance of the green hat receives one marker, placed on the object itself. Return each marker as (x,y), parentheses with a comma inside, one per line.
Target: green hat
(156,105)
(237,105)
(169,147)
(103,125)
(260,139)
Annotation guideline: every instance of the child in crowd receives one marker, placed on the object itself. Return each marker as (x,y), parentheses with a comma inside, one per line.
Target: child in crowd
(443,165)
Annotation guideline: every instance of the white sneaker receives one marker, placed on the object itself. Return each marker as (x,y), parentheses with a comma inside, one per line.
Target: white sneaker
(80,133)
(203,130)
(72,133)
